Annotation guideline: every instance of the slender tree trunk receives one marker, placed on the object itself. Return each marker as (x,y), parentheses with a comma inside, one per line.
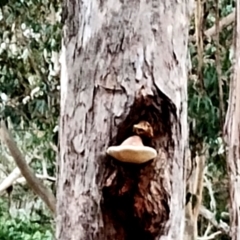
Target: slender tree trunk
(232,133)
(194,200)
(122,62)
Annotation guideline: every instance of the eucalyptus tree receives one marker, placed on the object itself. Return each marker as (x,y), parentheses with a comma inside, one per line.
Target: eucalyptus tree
(122,62)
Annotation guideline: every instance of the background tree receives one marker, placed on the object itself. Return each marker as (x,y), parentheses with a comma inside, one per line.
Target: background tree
(232,131)
(211,54)
(117,70)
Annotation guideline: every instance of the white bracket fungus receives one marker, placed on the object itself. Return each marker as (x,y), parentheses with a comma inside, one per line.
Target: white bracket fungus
(132,150)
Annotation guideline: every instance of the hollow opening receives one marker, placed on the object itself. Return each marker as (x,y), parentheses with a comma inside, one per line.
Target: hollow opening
(136,200)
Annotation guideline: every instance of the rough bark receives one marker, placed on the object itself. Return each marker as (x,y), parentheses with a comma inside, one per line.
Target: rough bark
(232,134)
(122,62)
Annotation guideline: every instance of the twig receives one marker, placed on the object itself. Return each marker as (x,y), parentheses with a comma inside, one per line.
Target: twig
(212,236)
(222,226)
(37,186)
(39,176)
(212,31)
(199,23)
(208,229)
(218,67)
(225,214)
(208,185)
(15,176)
(223,23)
(44,167)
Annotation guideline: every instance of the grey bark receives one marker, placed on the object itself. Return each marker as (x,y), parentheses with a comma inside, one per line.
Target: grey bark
(122,62)
(232,137)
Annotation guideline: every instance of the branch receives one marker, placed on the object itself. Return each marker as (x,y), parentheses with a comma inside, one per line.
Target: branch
(37,186)
(218,66)
(212,236)
(15,176)
(208,185)
(225,215)
(208,229)
(212,31)
(22,180)
(8,181)
(199,23)
(222,226)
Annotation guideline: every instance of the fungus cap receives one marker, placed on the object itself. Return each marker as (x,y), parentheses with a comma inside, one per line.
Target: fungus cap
(143,128)
(132,150)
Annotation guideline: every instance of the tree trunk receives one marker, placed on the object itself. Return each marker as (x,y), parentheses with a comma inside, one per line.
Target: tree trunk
(194,198)
(232,134)
(122,62)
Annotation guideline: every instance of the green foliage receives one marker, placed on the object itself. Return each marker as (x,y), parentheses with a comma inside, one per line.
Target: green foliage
(203,102)
(205,121)
(29,70)
(23,227)
(30,41)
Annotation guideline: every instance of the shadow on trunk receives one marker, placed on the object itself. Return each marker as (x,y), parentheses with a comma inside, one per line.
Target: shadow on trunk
(136,197)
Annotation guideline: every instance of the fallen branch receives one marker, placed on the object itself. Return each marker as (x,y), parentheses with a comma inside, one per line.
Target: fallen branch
(212,30)
(222,226)
(37,186)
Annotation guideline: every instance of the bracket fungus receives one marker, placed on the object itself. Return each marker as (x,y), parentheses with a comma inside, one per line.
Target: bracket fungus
(132,149)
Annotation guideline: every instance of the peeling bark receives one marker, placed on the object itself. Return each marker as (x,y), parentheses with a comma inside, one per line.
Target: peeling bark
(122,62)
(232,137)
